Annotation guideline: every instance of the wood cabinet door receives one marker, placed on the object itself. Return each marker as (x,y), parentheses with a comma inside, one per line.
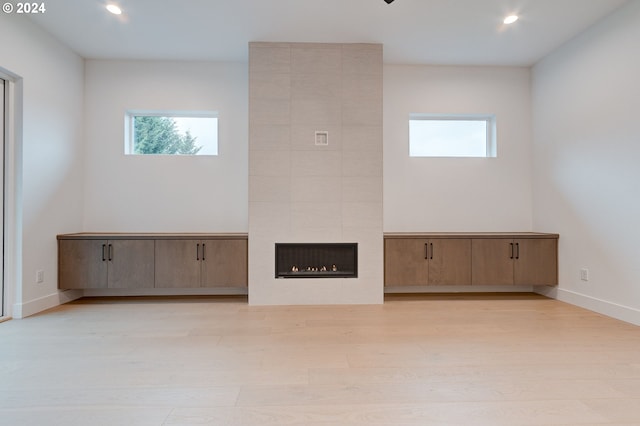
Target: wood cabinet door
(82,264)
(536,261)
(131,263)
(224,263)
(405,262)
(491,261)
(177,263)
(450,261)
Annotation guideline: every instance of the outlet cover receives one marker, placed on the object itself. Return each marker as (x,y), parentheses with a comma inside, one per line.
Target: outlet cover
(322,138)
(584,274)
(39,276)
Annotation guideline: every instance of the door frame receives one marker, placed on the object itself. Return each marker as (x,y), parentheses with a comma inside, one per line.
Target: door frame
(12,193)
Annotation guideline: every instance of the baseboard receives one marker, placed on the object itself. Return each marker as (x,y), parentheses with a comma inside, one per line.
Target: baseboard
(458,289)
(32,307)
(604,307)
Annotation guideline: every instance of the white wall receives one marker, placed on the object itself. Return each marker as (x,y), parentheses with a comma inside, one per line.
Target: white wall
(165,193)
(52,154)
(458,194)
(586,101)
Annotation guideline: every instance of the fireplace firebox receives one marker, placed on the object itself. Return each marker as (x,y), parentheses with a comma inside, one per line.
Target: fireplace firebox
(316,260)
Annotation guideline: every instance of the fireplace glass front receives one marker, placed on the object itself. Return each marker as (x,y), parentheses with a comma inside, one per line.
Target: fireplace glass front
(316,260)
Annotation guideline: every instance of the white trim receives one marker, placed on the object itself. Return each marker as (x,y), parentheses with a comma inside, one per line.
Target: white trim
(460,289)
(13,193)
(491,150)
(3,110)
(604,307)
(172,113)
(129,115)
(23,310)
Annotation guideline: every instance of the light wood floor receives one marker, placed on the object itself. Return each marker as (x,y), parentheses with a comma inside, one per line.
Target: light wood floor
(431,360)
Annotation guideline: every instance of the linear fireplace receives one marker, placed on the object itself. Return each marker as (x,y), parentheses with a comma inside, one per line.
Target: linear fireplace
(316,260)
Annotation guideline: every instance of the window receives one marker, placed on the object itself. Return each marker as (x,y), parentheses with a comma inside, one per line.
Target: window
(171,133)
(463,135)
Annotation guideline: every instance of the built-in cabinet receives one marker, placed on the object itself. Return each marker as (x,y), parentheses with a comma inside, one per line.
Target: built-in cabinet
(98,261)
(106,263)
(134,261)
(420,261)
(441,259)
(520,261)
(201,263)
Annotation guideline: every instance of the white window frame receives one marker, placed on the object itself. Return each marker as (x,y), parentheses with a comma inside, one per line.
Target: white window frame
(129,129)
(491,139)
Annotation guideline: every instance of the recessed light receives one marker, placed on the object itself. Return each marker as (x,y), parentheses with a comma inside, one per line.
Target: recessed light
(510,19)
(114,9)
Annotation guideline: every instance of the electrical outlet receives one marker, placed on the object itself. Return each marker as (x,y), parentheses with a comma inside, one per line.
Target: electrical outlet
(584,274)
(39,276)
(322,138)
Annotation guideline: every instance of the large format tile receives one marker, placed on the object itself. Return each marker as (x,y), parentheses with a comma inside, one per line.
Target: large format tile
(363,138)
(316,163)
(303,137)
(316,189)
(364,87)
(318,111)
(316,58)
(362,59)
(266,137)
(362,163)
(266,217)
(362,189)
(274,189)
(362,214)
(269,112)
(269,58)
(361,113)
(269,86)
(313,86)
(270,163)
(315,215)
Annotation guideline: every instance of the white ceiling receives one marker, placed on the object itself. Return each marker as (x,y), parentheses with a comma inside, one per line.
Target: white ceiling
(460,32)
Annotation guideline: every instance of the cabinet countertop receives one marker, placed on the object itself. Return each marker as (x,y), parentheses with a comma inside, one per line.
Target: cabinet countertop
(152,236)
(469,235)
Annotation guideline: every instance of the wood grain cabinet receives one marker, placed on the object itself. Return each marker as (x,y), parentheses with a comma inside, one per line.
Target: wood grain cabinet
(105,264)
(102,261)
(420,261)
(470,259)
(520,261)
(201,263)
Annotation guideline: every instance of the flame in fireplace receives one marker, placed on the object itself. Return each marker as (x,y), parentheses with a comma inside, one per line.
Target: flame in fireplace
(322,268)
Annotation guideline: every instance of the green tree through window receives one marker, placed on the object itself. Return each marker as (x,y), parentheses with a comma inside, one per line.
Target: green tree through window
(159,135)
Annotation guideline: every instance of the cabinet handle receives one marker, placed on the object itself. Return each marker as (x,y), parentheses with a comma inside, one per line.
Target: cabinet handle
(202,251)
(511,257)
(426,251)
(517,250)
(197,251)
(104,246)
(110,252)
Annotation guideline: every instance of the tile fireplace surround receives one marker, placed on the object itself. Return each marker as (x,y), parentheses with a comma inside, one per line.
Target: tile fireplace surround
(315,166)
